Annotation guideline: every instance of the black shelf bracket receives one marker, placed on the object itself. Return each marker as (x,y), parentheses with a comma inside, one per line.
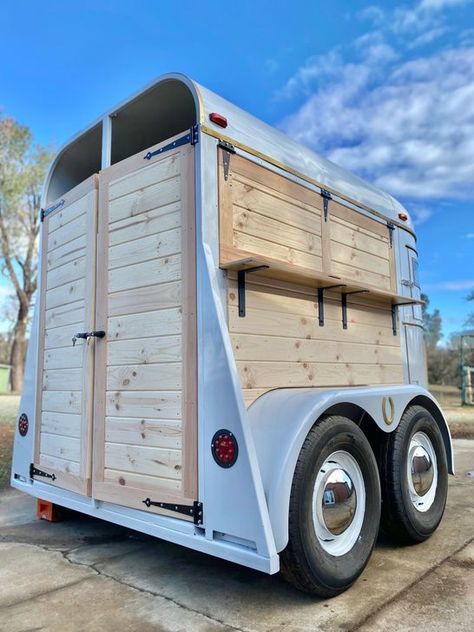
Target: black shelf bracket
(395,307)
(195,510)
(344,296)
(241,286)
(326,195)
(321,300)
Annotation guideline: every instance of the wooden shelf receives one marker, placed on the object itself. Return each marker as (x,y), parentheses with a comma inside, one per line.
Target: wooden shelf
(275,269)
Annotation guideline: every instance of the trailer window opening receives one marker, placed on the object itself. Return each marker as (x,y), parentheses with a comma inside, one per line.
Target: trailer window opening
(76,163)
(163,111)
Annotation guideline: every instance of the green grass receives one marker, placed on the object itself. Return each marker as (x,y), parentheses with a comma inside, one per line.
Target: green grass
(8,412)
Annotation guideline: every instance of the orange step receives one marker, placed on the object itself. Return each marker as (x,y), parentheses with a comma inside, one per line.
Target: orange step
(48,511)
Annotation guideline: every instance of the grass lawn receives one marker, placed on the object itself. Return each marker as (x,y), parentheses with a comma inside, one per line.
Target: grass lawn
(460,419)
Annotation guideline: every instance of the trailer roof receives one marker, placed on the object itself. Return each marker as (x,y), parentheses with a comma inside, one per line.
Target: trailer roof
(91,149)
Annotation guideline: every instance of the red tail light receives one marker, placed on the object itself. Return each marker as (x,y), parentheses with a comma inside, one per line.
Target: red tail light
(225,449)
(218,119)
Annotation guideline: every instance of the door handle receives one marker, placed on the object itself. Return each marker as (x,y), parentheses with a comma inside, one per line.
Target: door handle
(85,335)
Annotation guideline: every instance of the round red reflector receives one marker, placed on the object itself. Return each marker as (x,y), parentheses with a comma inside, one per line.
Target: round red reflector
(23,425)
(224,448)
(218,119)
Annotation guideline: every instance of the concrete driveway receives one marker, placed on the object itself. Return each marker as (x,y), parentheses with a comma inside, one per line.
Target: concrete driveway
(83,574)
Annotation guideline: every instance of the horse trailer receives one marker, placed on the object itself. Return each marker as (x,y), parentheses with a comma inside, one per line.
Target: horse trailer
(227,346)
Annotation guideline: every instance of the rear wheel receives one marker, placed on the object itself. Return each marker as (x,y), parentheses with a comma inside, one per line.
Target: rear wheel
(334,509)
(414,477)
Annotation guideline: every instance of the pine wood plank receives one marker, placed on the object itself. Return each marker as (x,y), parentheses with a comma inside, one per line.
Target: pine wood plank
(356,237)
(155,221)
(65,424)
(123,481)
(61,465)
(64,254)
(364,277)
(161,322)
(364,261)
(150,404)
(166,376)
(67,214)
(147,273)
(145,299)
(57,379)
(67,233)
(255,245)
(62,401)
(146,248)
(65,294)
(166,167)
(62,447)
(66,273)
(144,350)
(55,337)
(146,432)
(138,202)
(69,314)
(144,460)
(62,358)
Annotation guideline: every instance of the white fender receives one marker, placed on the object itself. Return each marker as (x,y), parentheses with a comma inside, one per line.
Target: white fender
(281,419)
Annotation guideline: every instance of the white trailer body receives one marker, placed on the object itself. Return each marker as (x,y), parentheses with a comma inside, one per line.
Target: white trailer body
(226,288)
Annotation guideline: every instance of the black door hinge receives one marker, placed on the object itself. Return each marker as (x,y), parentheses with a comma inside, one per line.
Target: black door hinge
(326,195)
(46,211)
(195,510)
(391,228)
(34,471)
(195,134)
(228,150)
(191,137)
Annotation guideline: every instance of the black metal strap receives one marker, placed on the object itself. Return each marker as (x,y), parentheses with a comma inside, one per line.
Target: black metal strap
(321,300)
(326,195)
(195,510)
(191,137)
(241,286)
(47,211)
(34,471)
(391,228)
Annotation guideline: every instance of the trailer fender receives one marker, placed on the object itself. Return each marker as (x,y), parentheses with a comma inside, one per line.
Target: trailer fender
(281,419)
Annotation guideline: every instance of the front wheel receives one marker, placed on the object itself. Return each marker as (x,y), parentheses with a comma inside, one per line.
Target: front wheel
(334,509)
(414,476)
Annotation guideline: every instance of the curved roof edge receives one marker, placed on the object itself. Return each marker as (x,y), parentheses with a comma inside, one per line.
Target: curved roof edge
(260,137)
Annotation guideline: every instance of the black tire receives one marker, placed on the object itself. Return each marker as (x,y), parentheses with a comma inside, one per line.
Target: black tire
(305,563)
(401,521)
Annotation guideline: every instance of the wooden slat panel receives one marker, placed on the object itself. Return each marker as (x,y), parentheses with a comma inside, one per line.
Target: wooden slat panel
(56,379)
(167,376)
(66,273)
(155,196)
(64,254)
(281,349)
(150,324)
(68,233)
(145,299)
(364,277)
(254,245)
(146,248)
(62,447)
(62,401)
(68,314)
(147,273)
(62,358)
(150,223)
(55,337)
(357,237)
(290,374)
(60,465)
(125,480)
(145,350)
(358,259)
(276,232)
(65,424)
(147,432)
(143,460)
(65,294)
(152,404)
(161,170)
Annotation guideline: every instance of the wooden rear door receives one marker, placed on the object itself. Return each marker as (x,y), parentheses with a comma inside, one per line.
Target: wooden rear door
(65,372)
(145,408)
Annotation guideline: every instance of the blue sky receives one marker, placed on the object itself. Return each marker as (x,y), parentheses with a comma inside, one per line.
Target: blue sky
(383,88)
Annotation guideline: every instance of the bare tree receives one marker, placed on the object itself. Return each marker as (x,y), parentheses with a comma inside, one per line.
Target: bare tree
(22,169)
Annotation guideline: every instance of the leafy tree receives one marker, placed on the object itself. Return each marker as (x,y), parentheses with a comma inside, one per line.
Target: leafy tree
(470,318)
(432,323)
(22,170)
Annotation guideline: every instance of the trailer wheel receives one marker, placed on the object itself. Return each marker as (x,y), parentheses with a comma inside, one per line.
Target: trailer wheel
(334,509)
(414,477)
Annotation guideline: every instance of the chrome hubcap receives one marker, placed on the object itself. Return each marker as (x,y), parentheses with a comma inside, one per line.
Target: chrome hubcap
(338,503)
(422,471)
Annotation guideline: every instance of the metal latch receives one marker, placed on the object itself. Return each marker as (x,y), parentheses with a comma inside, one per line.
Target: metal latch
(85,335)
(195,510)
(228,150)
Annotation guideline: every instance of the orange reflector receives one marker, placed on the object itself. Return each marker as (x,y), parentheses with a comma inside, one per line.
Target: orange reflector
(218,119)
(403,217)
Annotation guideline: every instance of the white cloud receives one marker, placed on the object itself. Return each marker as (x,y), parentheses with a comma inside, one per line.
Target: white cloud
(469,236)
(405,124)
